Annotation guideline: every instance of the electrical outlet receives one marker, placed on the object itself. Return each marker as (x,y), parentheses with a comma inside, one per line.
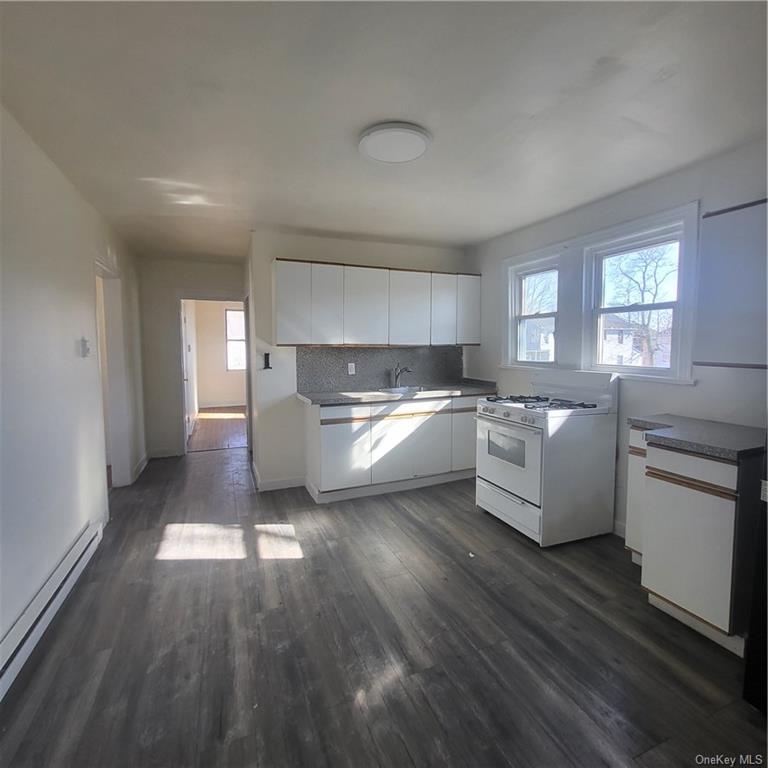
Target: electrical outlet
(351,369)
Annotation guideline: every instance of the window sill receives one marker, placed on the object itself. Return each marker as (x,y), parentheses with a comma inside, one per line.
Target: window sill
(684,382)
(656,379)
(528,366)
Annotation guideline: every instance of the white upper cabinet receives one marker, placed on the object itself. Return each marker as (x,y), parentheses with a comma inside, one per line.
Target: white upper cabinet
(443,325)
(409,307)
(327,304)
(468,310)
(366,305)
(293,295)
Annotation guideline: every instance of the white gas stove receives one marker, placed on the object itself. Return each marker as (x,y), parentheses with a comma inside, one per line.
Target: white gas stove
(546,461)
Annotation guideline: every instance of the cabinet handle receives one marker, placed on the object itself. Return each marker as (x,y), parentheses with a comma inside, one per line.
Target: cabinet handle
(691,483)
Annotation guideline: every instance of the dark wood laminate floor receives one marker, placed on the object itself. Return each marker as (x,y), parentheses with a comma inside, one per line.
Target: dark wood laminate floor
(218,428)
(220,627)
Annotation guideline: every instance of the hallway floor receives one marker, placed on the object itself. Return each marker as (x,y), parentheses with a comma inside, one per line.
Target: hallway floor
(217,626)
(218,428)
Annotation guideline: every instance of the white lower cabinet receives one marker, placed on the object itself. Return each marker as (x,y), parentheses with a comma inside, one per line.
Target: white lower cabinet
(689,530)
(408,440)
(635,492)
(464,434)
(688,550)
(345,448)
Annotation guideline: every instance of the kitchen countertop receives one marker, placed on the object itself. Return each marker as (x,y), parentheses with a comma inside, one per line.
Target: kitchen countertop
(461,389)
(716,439)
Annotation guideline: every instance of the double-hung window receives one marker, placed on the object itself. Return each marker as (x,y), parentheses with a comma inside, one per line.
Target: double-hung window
(641,308)
(536,315)
(235,328)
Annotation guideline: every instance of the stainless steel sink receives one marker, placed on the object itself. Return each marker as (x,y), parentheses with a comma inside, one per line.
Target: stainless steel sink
(401,390)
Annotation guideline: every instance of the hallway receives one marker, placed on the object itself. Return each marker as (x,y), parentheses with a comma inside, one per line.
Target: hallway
(219,626)
(218,428)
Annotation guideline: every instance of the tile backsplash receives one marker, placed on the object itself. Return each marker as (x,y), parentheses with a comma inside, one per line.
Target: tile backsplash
(324,369)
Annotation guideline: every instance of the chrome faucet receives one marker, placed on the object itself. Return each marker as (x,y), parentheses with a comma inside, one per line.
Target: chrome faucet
(398,372)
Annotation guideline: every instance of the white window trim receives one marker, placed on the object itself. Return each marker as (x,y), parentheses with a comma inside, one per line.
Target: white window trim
(686,216)
(516,270)
(680,223)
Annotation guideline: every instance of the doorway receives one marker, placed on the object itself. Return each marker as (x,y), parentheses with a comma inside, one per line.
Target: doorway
(214,367)
(114,374)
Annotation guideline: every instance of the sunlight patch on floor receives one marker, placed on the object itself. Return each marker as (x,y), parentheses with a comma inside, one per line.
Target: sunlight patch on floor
(277,541)
(201,541)
(220,415)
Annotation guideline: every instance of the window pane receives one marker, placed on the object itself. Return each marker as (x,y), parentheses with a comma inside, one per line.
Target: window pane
(643,339)
(539,293)
(646,276)
(235,324)
(536,339)
(235,355)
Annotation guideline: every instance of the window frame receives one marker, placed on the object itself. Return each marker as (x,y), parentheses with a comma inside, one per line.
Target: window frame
(227,339)
(516,274)
(680,224)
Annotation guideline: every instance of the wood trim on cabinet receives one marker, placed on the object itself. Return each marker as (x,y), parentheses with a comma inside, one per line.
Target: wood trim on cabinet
(377,266)
(685,610)
(691,483)
(637,451)
(386,416)
(344,420)
(692,453)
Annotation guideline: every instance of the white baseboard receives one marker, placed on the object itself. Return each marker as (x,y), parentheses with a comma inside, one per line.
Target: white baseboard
(139,468)
(275,485)
(21,639)
(325,497)
(620,528)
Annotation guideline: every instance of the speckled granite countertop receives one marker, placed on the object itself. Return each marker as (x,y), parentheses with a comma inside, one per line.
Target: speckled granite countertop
(461,389)
(706,438)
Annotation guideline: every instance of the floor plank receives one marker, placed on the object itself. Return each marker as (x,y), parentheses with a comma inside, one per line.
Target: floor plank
(216,626)
(218,428)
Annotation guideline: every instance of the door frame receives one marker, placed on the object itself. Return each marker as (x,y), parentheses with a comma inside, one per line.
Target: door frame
(205,295)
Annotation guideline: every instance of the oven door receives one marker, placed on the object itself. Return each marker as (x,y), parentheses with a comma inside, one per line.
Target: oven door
(509,456)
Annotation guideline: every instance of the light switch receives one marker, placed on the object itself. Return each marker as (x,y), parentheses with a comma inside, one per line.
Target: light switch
(351,369)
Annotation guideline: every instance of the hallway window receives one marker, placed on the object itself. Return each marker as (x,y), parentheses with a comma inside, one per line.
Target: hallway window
(235,319)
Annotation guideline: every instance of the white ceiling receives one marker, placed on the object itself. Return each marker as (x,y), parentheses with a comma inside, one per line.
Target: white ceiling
(187,124)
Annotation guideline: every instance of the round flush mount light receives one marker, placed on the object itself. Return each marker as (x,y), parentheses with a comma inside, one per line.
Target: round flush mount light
(394,142)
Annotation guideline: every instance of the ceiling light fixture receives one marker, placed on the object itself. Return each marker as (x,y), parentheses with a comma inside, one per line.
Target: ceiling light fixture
(394,142)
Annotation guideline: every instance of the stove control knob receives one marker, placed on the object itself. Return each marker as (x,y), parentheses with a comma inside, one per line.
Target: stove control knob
(506,414)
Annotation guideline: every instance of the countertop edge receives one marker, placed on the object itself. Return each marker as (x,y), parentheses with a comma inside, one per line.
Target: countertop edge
(468,390)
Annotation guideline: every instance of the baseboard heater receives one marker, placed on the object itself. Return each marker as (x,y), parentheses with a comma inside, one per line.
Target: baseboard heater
(21,638)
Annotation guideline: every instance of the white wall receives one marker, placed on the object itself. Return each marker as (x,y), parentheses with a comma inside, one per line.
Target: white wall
(277,416)
(723,394)
(216,385)
(52,446)
(163,284)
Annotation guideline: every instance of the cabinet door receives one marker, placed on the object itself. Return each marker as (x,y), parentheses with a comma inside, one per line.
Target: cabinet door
(345,455)
(292,297)
(688,549)
(327,304)
(409,307)
(468,309)
(635,502)
(443,310)
(405,445)
(463,434)
(366,305)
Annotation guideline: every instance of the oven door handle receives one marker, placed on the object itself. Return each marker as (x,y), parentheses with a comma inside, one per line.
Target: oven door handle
(510,424)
